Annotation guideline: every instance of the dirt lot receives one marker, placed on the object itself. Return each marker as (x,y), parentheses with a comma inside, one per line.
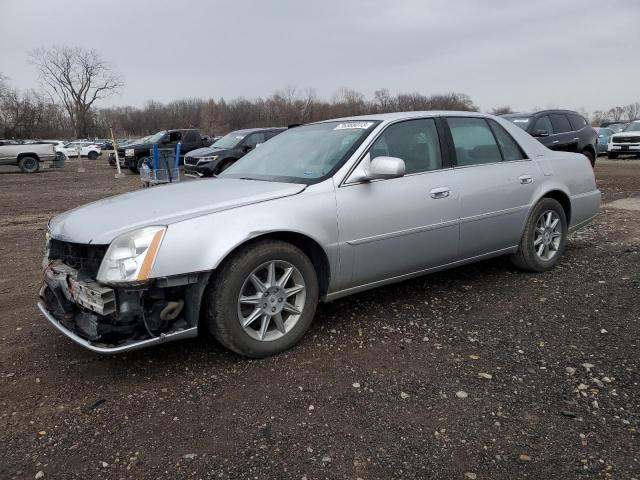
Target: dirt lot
(480,372)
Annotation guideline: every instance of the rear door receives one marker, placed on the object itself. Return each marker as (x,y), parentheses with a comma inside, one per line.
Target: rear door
(496,181)
(566,139)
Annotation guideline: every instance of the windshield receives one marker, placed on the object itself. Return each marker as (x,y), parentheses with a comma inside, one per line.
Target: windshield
(156,137)
(632,127)
(302,154)
(522,122)
(230,140)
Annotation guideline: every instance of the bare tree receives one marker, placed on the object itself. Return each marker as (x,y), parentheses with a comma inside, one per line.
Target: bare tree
(616,113)
(632,111)
(501,110)
(78,78)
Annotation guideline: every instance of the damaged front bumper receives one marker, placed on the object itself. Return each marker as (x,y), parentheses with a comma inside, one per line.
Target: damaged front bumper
(113,320)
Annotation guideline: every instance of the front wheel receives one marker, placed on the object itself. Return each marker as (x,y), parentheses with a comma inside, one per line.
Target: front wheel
(263,299)
(544,237)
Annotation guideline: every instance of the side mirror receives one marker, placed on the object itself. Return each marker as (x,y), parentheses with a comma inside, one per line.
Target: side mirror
(247,148)
(540,133)
(385,167)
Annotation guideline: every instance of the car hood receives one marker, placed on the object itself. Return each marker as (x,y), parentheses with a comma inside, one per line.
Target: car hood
(207,152)
(100,222)
(634,134)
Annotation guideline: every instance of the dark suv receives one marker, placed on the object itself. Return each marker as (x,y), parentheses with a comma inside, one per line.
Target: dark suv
(209,161)
(559,130)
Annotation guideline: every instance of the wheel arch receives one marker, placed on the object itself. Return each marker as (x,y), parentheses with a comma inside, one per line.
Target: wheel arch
(21,155)
(561,197)
(310,247)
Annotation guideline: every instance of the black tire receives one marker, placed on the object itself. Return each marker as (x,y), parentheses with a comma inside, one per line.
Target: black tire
(92,155)
(221,301)
(224,164)
(29,164)
(590,156)
(612,156)
(526,257)
(138,164)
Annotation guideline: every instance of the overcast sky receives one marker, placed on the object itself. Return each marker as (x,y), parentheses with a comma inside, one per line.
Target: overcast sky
(543,53)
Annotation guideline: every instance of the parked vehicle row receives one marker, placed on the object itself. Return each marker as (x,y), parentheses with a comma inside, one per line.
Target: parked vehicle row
(86,149)
(212,160)
(318,212)
(134,154)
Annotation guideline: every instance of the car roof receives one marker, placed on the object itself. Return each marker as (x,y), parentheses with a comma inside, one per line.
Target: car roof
(413,114)
(528,114)
(246,131)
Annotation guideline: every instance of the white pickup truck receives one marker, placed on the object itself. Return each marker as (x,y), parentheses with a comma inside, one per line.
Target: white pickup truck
(27,157)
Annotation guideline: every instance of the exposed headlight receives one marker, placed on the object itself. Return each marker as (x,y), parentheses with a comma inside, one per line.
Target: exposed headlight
(129,152)
(207,159)
(130,257)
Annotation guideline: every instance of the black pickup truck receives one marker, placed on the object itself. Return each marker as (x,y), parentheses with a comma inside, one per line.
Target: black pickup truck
(135,154)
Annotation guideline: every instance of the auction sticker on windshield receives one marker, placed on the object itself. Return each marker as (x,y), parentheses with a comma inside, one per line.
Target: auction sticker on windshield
(360,125)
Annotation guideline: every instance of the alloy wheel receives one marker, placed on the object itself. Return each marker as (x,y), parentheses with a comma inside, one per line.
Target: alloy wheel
(271,300)
(548,235)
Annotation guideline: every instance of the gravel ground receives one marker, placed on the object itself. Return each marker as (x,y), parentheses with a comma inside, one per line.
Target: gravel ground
(479,372)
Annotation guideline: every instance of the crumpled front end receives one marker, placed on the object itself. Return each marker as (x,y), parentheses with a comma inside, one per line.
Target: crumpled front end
(111,319)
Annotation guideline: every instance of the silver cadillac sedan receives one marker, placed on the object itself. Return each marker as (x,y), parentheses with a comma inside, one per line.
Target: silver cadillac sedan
(319,212)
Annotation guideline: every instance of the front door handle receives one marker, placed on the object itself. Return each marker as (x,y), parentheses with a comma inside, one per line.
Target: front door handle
(556,141)
(525,179)
(441,192)
(576,138)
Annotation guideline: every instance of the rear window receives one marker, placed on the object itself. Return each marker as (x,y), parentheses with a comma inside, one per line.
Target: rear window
(560,123)
(577,122)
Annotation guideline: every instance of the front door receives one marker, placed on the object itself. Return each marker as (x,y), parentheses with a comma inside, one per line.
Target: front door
(389,228)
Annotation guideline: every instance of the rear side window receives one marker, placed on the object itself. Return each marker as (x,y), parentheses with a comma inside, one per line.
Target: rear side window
(510,149)
(560,123)
(473,141)
(577,122)
(543,124)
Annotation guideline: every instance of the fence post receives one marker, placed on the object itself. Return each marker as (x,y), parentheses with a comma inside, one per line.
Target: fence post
(115,149)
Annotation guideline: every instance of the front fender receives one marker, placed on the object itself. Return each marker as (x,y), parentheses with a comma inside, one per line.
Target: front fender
(202,243)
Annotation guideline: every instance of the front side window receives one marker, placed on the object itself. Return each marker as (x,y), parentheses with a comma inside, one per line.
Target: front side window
(560,123)
(511,151)
(254,139)
(304,154)
(473,141)
(190,137)
(414,141)
(543,124)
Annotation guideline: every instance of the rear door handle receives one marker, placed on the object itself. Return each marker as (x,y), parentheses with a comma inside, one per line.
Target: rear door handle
(441,192)
(525,179)
(556,141)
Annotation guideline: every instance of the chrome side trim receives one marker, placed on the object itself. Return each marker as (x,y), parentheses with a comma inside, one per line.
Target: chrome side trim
(164,338)
(497,213)
(400,233)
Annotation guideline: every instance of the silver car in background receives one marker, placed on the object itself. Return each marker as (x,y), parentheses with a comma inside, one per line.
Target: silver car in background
(319,212)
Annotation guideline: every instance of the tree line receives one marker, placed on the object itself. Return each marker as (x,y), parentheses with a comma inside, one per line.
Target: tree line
(73,79)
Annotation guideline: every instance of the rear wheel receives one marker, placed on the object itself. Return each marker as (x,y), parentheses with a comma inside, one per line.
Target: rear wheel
(29,164)
(92,155)
(263,300)
(612,156)
(544,237)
